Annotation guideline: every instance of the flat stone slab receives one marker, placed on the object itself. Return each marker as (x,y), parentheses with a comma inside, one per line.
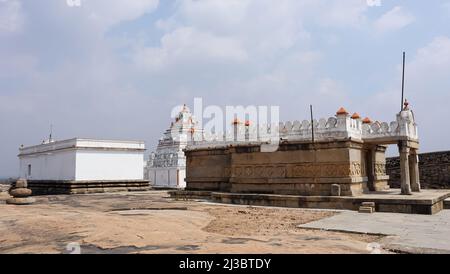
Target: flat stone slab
(21,201)
(407,233)
(427,202)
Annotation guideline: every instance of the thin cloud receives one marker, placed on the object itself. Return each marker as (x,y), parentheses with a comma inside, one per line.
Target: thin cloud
(394,20)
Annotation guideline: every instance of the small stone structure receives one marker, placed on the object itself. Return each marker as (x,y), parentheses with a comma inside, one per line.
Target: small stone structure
(434,169)
(20,193)
(347,154)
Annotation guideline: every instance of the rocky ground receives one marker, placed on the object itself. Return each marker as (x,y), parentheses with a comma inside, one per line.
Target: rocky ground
(151,222)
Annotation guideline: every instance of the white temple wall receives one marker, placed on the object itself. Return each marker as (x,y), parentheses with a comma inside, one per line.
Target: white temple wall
(58,165)
(109,165)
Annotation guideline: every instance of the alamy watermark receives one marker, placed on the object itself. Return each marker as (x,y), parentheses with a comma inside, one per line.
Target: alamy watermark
(73,3)
(374,3)
(230,124)
(374,248)
(73,248)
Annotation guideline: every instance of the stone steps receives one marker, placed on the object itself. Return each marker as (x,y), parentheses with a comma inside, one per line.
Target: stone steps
(367,207)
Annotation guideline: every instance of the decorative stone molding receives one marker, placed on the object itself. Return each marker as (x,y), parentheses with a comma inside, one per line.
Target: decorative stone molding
(307,170)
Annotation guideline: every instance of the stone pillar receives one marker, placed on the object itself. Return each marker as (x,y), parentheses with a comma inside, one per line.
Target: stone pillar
(370,159)
(404,168)
(414,170)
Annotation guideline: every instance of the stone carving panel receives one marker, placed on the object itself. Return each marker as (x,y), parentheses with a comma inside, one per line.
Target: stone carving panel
(328,170)
(380,168)
(259,172)
(307,170)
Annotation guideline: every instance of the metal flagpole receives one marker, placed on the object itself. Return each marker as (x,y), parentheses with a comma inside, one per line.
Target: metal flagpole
(403,82)
(312,123)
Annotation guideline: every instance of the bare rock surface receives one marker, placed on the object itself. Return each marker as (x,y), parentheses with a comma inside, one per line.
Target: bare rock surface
(150,222)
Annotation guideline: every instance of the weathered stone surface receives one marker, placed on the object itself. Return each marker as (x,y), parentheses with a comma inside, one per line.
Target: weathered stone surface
(86,187)
(21,183)
(296,168)
(410,233)
(434,170)
(335,190)
(20,192)
(366,209)
(20,201)
(130,223)
(427,202)
(368,204)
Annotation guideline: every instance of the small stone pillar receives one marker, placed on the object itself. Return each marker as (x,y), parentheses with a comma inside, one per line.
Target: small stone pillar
(404,168)
(371,159)
(414,171)
(20,193)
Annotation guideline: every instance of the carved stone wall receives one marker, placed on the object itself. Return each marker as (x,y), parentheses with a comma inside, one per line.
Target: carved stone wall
(296,169)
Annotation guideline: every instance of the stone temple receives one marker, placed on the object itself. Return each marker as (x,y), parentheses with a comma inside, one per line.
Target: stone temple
(166,167)
(342,166)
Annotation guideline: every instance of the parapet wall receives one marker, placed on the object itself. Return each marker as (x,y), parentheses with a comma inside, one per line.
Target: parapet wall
(434,169)
(338,128)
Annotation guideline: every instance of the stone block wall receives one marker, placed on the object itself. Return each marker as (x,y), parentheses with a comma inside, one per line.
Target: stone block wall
(296,168)
(434,169)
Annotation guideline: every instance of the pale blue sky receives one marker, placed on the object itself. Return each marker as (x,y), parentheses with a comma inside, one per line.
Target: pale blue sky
(114,69)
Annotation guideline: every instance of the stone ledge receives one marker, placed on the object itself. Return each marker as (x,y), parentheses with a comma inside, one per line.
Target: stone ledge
(428,203)
(86,187)
(186,194)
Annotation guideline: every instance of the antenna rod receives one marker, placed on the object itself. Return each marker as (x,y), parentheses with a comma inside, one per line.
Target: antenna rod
(312,122)
(403,82)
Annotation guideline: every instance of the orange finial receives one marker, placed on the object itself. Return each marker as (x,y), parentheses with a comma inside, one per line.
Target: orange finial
(356,116)
(367,121)
(342,111)
(236,121)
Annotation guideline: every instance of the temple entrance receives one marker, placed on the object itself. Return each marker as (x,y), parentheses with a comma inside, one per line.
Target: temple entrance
(377,180)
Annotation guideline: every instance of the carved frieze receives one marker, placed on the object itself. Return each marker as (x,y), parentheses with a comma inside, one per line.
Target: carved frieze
(259,171)
(306,170)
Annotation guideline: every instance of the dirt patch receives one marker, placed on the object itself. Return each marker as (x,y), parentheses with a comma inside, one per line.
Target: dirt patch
(232,221)
(259,221)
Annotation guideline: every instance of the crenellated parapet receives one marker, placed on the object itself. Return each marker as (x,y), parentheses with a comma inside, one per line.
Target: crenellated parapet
(340,127)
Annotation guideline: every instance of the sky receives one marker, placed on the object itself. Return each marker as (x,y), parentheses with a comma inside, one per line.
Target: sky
(114,69)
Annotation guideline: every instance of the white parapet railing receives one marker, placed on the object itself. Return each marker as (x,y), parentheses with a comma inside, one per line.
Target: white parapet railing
(342,126)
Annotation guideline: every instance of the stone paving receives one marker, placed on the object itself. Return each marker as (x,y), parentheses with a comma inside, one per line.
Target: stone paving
(406,232)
